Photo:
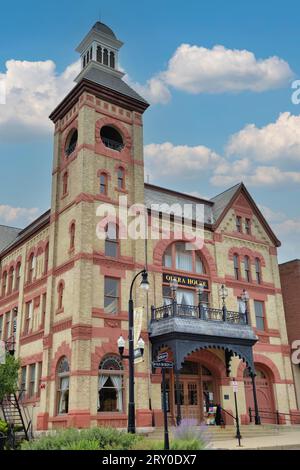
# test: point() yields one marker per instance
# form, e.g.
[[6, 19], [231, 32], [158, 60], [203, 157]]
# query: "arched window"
[[236, 264], [178, 257], [18, 276], [247, 268], [63, 381], [121, 178], [99, 54], [112, 60], [46, 259], [103, 184], [60, 297], [111, 240], [31, 264], [10, 280], [105, 57], [111, 138], [258, 270], [110, 385], [65, 183], [4, 282], [72, 235], [71, 142]]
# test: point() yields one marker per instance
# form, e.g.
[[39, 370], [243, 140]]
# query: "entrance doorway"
[[264, 392], [197, 393]]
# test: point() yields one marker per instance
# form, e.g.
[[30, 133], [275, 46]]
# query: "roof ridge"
[[238, 185]]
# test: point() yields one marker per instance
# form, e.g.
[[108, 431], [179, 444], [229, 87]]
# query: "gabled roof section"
[[224, 201], [7, 235]]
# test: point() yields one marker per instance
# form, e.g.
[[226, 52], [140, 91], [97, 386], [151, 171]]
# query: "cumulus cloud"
[[18, 216], [33, 89], [196, 69], [275, 141], [168, 160], [257, 176]]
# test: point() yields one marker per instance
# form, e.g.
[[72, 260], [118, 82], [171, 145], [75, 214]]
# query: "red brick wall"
[[290, 283]]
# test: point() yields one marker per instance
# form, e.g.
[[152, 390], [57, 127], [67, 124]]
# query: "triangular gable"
[[240, 198]]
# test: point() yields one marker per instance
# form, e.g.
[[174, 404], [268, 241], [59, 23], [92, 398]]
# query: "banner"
[[138, 322], [2, 352]]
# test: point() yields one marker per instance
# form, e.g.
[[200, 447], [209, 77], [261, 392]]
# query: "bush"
[[86, 439], [192, 444], [3, 427], [190, 431]]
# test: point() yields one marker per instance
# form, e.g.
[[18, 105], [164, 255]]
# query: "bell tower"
[[98, 156]]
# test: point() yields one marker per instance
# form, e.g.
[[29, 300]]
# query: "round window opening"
[[71, 142], [111, 138]]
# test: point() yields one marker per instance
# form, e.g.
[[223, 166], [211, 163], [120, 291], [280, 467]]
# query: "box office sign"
[[185, 280]]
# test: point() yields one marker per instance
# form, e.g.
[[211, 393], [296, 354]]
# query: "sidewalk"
[[282, 441]]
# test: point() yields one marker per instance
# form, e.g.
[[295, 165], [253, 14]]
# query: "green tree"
[[9, 373]]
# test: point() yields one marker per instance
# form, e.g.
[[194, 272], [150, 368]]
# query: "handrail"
[[273, 413], [227, 412]]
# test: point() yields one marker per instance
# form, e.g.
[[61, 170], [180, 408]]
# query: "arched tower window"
[[72, 235], [111, 138], [65, 183], [112, 60], [60, 296], [105, 57], [103, 184], [121, 178], [71, 142], [63, 382], [99, 54], [110, 385]]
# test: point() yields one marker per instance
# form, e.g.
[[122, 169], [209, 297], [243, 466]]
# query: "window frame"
[[32, 381], [236, 266], [247, 268], [263, 317], [258, 272], [194, 256], [59, 390], [118, 297], [112, 241], [239, 223], [109, 373]]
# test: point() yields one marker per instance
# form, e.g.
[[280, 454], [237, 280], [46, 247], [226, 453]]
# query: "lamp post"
[[200, 290], [173, 288], [121, 345], [245, 298], [223, 293]]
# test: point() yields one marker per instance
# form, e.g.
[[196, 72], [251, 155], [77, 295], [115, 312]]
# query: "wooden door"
[[264, 397]]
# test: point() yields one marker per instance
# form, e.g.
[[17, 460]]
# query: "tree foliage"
[[9, 376]]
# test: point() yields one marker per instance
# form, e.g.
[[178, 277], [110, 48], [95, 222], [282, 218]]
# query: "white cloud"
[[155, 90], [17, 215], [33, 90], [168, 160], [279, 140]]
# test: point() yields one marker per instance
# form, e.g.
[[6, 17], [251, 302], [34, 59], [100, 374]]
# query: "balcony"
[[185, 328]]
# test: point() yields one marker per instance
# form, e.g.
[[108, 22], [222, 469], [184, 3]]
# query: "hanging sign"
[[138, 322], [162, 356], [185, 280], [163, 364]]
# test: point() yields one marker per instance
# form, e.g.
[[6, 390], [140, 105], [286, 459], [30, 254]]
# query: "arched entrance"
[[264, 392], [198, 389]]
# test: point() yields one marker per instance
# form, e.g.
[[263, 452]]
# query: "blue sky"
[[198, 115]]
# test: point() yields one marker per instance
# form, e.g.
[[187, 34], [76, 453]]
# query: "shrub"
[[92, 439], [3, 427], [190, 431], [192, 444]]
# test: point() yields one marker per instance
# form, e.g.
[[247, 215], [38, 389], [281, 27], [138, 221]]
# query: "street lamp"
[[245, 298], [223, 293], [173, 287], [200, 290], [141, 345]]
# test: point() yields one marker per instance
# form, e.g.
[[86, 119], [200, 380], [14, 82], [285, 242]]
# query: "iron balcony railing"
[[201, 312]]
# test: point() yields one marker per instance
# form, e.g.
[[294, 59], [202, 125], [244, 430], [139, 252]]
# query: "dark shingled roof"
[[102, 28], [222, 200], [7, 235]]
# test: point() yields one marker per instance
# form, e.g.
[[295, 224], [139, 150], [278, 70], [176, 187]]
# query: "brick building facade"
[[64, 291]]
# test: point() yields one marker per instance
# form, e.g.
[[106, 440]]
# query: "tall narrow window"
[[10, 280], [44, 303], [121, 178], [4, 283], [112, 60], [110, 385], [238, 222], [14, 321], [7, 332], [111, 295], [63, 377], [71, 142], [23, 382], [103, 184], [1, 326], [46, 260], [31, 388], [72, 236], [111, 240], [258, 270], [99, 54], [247, 268], [105, 57], [60, 290], [39, 377], [65, 183], [248, 226], [18, 276], [236, 264], [31, 264], [259, 315], [28, 315], [184, 258]]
